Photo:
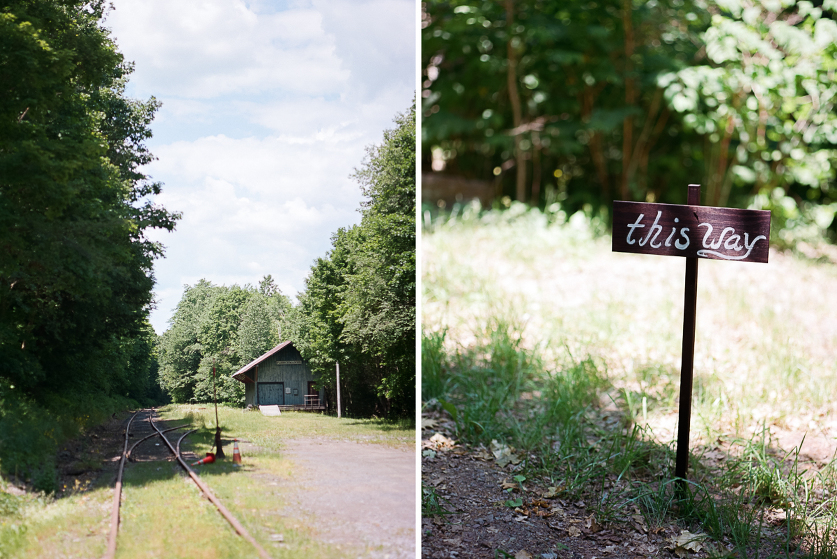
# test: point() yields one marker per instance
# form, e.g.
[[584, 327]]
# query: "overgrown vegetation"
[[566, 356], [75, 210], [358, 306]]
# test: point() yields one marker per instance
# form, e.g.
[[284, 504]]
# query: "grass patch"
[[541, 339], [158, 494], [269, 432]]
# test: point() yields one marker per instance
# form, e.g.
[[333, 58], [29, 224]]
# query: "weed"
[[433, 363], [432, 504]]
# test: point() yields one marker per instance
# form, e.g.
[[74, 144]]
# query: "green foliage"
[[581, 103], [433, 365], [220, 327], [433, 504], [31, 430], [358, 307], [75, 259]]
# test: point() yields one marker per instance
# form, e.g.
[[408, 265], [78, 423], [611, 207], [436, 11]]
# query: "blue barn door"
[[271, 394]]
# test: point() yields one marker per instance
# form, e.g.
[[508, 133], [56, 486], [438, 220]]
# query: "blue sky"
[[267, 109]]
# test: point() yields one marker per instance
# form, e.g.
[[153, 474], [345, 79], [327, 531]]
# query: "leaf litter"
[[493, 515]]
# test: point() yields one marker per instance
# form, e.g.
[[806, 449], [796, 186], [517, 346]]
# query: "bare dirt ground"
[[481, 526], [360, 494]]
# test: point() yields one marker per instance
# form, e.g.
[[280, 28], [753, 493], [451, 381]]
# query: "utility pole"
[[338, 389], [219, 450]]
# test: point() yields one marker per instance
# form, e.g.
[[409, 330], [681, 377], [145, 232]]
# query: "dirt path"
[[360, 494]]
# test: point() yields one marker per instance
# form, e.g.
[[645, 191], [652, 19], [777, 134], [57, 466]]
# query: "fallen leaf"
[[686, 542], [523, 554], [441, 442], [609, 549], [428, 423], [503, 454], [551, 492], [483, 454], [573, 532], [591, 524], [509, 485], [456, 542], [429, 454]]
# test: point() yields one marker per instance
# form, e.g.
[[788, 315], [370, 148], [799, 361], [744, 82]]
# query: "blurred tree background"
[[571, 104]]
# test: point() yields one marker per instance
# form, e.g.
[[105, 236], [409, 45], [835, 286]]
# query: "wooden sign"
[[691, 231]]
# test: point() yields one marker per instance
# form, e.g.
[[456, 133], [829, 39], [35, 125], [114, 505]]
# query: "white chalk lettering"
[[673, 230], [747, 244], [653, 232], [728, 239], [732, 243], [632, 226], [685, 245], [706, 243], [717, 244]]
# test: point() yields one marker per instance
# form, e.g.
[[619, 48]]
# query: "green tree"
[[75, 261], [180, 351], [584, 102], [221, 327], [765, 104], [551, 96], [358, 306], [379, 305]]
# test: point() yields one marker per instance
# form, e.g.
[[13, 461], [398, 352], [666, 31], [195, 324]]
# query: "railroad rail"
[[117, 494]]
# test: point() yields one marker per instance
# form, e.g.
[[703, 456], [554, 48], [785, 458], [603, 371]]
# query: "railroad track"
[[146, 429]]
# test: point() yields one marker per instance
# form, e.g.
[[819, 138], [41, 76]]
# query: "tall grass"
[[31, 432]]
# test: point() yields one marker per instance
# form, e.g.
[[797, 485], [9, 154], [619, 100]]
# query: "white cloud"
[[267, 110], [373, 43], [314, 169], [201, 49]]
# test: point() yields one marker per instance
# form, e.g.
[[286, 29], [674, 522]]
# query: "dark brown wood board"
[[691, 231]]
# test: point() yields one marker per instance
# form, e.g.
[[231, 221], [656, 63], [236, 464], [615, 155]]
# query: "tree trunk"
[[628, 124], [514, 99]]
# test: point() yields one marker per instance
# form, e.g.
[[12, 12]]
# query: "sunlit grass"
[[163, 513], [269, 432], [766, 333], [536, 334]]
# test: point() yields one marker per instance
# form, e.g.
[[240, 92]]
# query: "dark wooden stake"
[[688, 359], [219, 449]]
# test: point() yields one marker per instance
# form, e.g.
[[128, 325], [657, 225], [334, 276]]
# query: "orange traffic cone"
[[210, 458], [236, 453]]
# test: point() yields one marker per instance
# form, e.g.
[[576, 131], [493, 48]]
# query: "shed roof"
[[239, 374]]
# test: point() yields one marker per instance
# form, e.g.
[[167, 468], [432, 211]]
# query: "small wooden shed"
[[281, 378]]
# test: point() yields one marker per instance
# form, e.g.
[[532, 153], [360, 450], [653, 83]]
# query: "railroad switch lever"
[[219, 449]]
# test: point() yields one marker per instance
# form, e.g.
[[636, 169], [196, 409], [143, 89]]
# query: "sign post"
[[338, 389], [692, 231]]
